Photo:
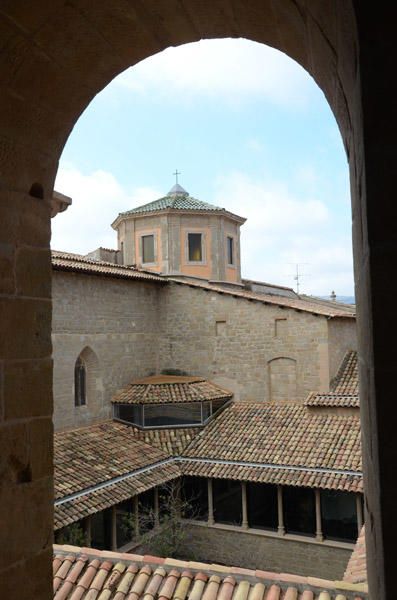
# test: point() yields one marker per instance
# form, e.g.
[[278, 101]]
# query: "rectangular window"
[[230, 251], [148, 249], [262, 506], [129, 412], [339, 516], [227, 501], [195, 247], [167, 415], [299, 510], [194, 491]]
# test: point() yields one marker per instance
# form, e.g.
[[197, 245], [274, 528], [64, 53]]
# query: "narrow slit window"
[[148, 249], [230, 251], [79, 383], [195, 247]]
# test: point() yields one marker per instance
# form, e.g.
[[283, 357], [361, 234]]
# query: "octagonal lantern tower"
[[181, 236]]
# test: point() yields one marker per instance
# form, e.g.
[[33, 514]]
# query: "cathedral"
[[169, 366]]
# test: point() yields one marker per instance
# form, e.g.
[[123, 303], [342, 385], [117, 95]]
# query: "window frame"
[[203, 260], [145, 235], [233, 251]]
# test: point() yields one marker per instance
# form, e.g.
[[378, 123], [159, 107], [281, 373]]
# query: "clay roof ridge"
[[297, 304]]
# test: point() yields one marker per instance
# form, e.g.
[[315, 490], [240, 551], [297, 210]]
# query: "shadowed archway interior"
[[54, 58]]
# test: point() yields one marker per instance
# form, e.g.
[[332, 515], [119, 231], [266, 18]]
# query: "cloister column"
[[319, 532], [244, 523], [280, 512], [359, 511], [211, 520]]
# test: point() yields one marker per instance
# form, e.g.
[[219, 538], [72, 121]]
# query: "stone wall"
[[132, 328], [118, 321], [234, 341], [259, 551]]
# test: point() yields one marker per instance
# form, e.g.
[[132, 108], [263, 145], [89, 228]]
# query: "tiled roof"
[[346, 380], [180, 201], [95, 500], [330, 480], [64, 261], [170, 389], [333, 400], [298, 304], [344, 387], [287, 437], [356, 571], [91, 455], [171, 441], [84, 573], [174, 202]]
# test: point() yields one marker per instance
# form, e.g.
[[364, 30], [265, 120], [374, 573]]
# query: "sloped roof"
[[170, 441], [166, 389], [344, 387], [285, 435], [91, 455], [332, 310], [356, 571], [85, 572], [66, 261]]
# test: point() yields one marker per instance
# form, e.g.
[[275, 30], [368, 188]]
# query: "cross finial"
[[176, 175]]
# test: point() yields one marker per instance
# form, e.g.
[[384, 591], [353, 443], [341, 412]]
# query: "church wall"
[[224, 545], [233, 341], [118, 321], [342, 334]]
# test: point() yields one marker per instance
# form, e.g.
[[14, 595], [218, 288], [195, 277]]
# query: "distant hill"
[[345, 299]]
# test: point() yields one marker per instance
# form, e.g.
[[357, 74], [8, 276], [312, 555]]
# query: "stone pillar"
[[26, 430], [114, 527], [281, 528], [244, 504], [136, 516], [210, 503], [87, 530], [156, 507], [319, 529], [359, 510]]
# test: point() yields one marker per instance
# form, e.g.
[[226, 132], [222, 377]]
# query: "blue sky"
[[249, 130]]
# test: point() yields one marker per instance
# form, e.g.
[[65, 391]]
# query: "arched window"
[[80, 398]]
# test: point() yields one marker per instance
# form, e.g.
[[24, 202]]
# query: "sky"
[[248, 129]]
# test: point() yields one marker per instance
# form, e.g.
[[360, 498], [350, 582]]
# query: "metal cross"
[[176, 175]]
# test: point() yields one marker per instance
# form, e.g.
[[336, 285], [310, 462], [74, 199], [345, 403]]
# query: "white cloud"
[[97, 199], [283, 230], [233, 69]]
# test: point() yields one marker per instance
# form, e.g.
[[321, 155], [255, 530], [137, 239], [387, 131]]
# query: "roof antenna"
[[298, 275]]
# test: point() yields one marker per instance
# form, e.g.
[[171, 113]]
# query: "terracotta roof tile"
[[346, 380], [171, 441], [299, 304], [356, 571], [99, 575], [344, 387], [65, 261], [286, 435], [171, 389]]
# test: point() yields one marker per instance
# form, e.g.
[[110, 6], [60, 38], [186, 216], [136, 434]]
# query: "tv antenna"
[[298, 275]]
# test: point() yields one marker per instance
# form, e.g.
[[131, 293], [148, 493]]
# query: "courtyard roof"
[[85, 572], [166, 389], [66, 261], [283, 435], [344, 387]]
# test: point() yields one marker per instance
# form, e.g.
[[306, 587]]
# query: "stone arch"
[[282, 377], [55, 59]]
